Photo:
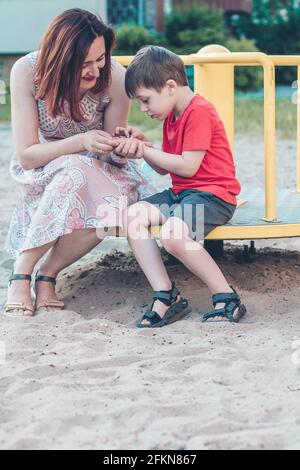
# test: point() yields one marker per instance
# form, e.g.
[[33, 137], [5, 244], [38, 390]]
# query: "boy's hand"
[[130, 132], [130, 148]]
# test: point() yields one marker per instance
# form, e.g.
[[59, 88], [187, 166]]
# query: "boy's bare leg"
[[194, 257], [137, 221]]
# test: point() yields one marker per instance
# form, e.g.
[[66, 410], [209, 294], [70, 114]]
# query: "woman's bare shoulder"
[[22, 75], [117, 71], [22, 66], [117, 85]]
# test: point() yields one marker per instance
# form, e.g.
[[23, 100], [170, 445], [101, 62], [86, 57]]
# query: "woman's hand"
[[130, 148], [98, 142]]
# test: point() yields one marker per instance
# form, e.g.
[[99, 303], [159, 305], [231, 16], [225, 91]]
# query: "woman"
[[67, 100]]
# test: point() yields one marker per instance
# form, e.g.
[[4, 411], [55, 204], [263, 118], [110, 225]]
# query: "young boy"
[[197, 155]]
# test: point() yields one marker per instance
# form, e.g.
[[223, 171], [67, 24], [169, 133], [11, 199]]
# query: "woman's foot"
[[19, 293], [45, 294]]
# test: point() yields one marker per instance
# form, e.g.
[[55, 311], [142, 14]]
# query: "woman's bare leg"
[[67, 250], [19, 291]]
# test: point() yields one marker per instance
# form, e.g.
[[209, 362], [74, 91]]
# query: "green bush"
[[5, 113], [246, 78], [131, 38], [188, 31], [274, 26]]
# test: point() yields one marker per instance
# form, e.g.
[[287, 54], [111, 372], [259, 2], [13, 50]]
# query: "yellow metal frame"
[[214, 77]]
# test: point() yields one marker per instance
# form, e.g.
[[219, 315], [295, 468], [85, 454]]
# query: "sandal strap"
[[164, 297], [226, 314], [18, 306], [40, 278], [152, 317], [175, 291], [19, 277], [174, 313], [232, 302], [167, 297], [50, 303], [225, 298], [221, 312]]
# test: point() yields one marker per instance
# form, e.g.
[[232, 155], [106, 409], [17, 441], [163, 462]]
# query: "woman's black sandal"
[[49, 302], [11, 307], [232, 302], [175, 312]]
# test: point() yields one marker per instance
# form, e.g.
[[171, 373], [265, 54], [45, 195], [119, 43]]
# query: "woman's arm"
[[116, 114], [25, 124]]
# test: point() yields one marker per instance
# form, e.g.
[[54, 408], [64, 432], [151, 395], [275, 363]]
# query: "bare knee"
[[171, 237], [135, 216], [175, 236]]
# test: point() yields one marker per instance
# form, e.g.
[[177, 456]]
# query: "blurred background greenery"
[[272, 27]]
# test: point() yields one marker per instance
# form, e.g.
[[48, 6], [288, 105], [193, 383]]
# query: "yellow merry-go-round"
[[262, 213]]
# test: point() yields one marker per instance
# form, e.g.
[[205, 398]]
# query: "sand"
[[86, 378]]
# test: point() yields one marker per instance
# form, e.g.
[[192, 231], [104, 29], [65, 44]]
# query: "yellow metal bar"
[[220, 92], [234, 58], [270, 142], [253, 232], [285, 60], [124, 59], [258, 232]]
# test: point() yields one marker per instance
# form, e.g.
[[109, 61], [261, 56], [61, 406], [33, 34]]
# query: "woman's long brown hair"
[[61, 57]]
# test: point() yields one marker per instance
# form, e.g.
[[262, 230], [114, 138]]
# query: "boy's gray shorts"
[[201, 211]]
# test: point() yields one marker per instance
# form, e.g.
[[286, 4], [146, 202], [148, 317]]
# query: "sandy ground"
[[86, 378]]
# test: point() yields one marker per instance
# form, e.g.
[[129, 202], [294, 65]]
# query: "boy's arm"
[[156, 168], [132, 132], [185, 165]]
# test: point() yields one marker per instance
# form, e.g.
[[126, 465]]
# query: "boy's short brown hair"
[[152, 67]]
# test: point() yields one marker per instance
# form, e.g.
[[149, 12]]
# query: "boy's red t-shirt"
[[199, 127]]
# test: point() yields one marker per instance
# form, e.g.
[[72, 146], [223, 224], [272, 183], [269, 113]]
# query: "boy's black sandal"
[[229, 313], [175, 312]]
